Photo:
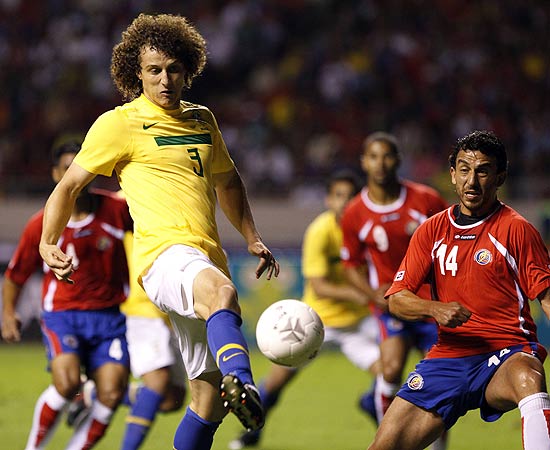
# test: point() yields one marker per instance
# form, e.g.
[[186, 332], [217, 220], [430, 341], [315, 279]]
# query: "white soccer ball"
[[289, 333]]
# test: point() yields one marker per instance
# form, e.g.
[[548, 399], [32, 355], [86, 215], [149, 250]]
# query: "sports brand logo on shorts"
[[415, 381], [399, 275], [483, 257]]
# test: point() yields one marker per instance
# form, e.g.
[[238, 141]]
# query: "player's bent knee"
[[227, 298]]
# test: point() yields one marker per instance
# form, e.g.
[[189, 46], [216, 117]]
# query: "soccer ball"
[[289, 333]]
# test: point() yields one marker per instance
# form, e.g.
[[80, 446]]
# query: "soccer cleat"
[[80, 406], [246, 439], [77, 411], [243, 400]]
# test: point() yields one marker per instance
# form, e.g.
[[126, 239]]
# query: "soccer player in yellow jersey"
[[154, 359], [172, 165], [341, 306]]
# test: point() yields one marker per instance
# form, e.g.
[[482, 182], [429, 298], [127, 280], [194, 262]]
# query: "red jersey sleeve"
[[534, 261], [26, 259]]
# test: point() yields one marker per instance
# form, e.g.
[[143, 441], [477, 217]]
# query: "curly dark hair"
[[484, 141], [170, 34]]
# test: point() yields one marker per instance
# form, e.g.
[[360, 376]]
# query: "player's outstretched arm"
[[11, 324], [57, 213], [408, 306], [233, 201]]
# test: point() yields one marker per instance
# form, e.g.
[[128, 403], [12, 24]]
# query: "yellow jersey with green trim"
[[164, 161], [321, 259]]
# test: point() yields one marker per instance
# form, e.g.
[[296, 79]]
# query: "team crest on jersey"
[[483, 257], [415, 381], [103, 243], [70, 341]]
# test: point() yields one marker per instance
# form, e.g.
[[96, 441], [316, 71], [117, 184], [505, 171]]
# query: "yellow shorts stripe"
[[138, 420]]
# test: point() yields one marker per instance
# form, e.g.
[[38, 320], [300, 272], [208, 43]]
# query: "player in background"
[[173, 166], [81, 323], [155, 363], [342, 308], [377, 227], [154, 360], [485, 263]]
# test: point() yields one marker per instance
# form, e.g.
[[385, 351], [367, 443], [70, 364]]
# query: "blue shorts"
[[422, 334], [97, 336], [451, 387]]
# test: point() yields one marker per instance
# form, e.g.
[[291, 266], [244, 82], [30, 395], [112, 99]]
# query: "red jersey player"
[[378, 225], [485, 263], [81, 322]]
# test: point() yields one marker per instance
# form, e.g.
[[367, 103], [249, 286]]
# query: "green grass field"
[[317, 412]]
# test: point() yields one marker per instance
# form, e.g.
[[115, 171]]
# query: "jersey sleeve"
[[534, 260], [105, 144], [416, 265], [314, 260], [352, 248], [26, 258], [221, 161]]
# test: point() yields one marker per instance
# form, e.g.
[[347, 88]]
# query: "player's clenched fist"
[[60, 264], [451, 315]]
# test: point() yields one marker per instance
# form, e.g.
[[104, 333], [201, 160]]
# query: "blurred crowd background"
[[296, 84]]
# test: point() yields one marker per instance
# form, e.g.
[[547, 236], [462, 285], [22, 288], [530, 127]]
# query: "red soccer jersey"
[[379, 234], [491, 267], [95, 243]]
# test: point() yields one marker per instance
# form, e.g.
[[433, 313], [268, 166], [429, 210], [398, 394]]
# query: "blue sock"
[[126, 399], [141, 418], [227, 344], [269, 399], [194, 432]]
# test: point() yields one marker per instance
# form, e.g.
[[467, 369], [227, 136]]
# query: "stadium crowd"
[[296, 84]]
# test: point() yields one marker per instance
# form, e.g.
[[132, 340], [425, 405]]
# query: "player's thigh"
[[205, 398], [407, 427], [171, 283], [65, 369], [519, 376]]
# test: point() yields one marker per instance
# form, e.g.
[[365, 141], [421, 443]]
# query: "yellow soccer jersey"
[[137, 303], [164, 160], [321, 258]]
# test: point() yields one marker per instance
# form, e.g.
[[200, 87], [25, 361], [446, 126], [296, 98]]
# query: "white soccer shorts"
[[169, 285], [358, 343], [153, 345]]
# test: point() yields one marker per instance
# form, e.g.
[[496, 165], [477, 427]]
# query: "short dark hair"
[[170, 34], [61, 149], [344, 175], [387, 138], [484, 141]]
